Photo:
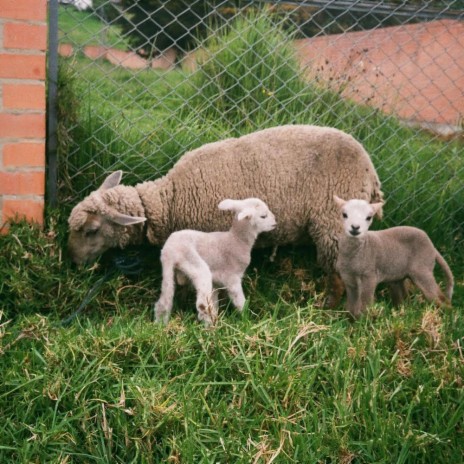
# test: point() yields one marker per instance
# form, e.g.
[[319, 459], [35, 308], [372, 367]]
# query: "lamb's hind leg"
[[163, 306], [200, 275], [235, 291], [427, 284], [398, 291]]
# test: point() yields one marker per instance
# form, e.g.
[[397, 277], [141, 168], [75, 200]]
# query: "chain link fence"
[[142, 82]]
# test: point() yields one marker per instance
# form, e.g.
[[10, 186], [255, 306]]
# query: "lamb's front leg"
[[353, 300], [367, 291], [359, 294]]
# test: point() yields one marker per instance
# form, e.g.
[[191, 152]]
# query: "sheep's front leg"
[[359, 294], [200, 275], [235, 291], [353, 300], [367, 291]]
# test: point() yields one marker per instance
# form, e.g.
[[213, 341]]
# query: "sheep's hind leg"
[[335, 290], [163, 306], [428, 286], [326, 256], [235, 291], [398, 291], [200, 275]]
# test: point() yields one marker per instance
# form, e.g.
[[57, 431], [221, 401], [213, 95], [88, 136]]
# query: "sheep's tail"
[[449, 275]]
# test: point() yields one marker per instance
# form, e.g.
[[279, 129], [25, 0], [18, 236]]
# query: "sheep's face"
[[92, 236], [260, 216], [95, 226], [253, 210], [357, 215]]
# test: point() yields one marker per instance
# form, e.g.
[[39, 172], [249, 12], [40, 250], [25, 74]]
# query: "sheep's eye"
[[90, 232], [264, 216], [368, 218], [345, 215]]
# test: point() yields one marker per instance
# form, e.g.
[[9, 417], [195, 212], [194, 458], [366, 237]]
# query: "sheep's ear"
[[228, 205], [377, 207], [245, 214], [339, 201], [126, 220], [111, 181]]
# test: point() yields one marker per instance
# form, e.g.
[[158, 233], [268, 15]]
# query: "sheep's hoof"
[[161, 317]]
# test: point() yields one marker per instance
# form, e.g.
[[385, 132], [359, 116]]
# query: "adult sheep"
[[295, 169]]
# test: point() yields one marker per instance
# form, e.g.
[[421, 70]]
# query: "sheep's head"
[[357, 215], [95, 226], [253, 210]]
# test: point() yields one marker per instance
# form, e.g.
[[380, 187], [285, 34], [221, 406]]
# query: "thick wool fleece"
[[295, 169]]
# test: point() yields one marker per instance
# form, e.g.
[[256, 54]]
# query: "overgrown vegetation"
[[285, 382]]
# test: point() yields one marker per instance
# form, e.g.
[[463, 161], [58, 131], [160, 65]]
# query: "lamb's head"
[[252, 210], [95, 226], [357, 215]]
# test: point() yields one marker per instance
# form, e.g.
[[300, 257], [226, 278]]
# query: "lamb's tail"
[[449, 276]]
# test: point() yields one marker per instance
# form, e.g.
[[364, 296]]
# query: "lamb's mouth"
[[354, 233]]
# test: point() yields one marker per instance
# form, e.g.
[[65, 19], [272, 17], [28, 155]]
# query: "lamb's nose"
[[356, 228]]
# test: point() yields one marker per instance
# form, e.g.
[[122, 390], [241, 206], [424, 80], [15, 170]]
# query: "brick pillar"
[[23, 43]]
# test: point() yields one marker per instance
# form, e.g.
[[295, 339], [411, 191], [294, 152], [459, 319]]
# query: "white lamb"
[[213, 259], [366, 258]]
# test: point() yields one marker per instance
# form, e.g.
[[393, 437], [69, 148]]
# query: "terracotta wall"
[[23, 44]]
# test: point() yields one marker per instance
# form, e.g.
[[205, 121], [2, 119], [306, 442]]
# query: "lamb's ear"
[[377, 207], [339, 201], [111, 181], [126, 220], [228, 205], [245, 214]]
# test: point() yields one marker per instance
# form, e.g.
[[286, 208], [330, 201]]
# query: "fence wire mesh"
[[143, 81]]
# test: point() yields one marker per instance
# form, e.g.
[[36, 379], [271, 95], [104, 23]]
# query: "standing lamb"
[[214, 258], [367, 258], [294, 169]]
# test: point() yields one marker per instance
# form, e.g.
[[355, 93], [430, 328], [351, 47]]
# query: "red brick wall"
[[23, 44]]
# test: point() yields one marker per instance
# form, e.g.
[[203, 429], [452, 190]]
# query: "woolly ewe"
[[215, 258], [367, 258]]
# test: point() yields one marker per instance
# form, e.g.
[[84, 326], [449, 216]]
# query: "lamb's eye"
[[368, 218], [345, 215], [264, 216]]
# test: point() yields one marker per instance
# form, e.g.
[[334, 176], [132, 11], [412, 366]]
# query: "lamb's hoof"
[[161, 317]]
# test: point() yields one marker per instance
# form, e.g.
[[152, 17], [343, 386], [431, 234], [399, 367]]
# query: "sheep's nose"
[[356, 227], [355, 230]]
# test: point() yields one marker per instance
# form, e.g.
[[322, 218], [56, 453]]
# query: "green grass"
[[287, 381], [81, 28]]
